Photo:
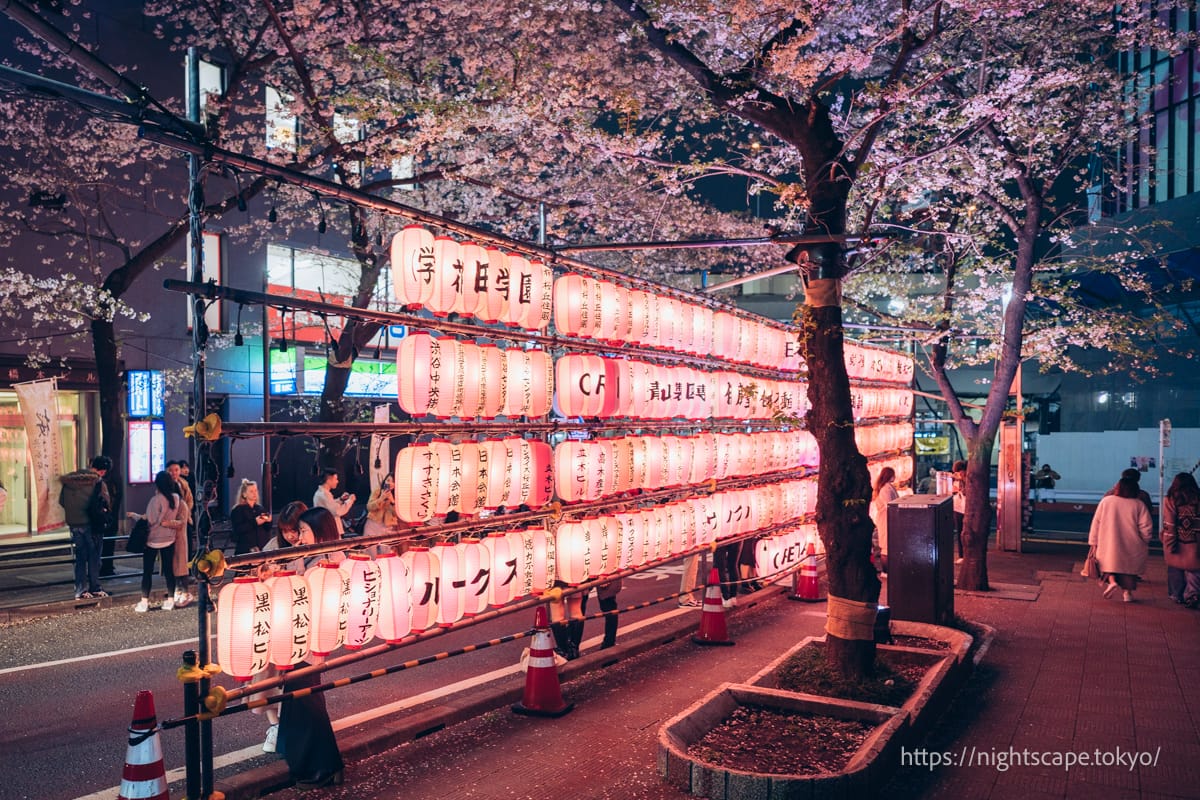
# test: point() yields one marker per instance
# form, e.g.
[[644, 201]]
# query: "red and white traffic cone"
[[543, 696], [144, 777], [712, 614], [807, 584]]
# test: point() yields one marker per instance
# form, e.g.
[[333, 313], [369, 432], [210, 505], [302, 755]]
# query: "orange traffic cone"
[[144, 777], [807, 585], [712, 614], [543, 696]]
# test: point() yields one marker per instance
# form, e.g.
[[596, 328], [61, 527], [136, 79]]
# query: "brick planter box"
[[959, 641], [864, 774], [928, 699]]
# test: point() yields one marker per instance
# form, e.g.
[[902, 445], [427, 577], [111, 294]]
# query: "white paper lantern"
[[243, 627]]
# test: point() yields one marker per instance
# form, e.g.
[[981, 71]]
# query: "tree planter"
[[927, 699], [958, 641], [864, 773]]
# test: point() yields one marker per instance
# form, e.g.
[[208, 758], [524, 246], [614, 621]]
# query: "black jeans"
[[168, 568]]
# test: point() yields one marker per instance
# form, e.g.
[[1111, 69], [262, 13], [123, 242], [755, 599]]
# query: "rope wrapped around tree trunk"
[[851, 620]]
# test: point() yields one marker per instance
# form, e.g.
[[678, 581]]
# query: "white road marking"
[[94, 656], [246, 753]]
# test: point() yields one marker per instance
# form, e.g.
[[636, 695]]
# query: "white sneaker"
[[272, 738], [143, 606], [168, 604], [729, 602], [1109, 588], [182, 599], [1127, 597]]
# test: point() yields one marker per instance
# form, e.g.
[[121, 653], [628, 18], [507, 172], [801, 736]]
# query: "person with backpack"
[[76, 498]]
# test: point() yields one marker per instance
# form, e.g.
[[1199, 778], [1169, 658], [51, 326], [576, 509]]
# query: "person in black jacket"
[[251, 522]]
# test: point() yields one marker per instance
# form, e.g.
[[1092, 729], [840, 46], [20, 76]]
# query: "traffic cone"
[[543, 696], [712, 614], [807, 584], [144, 777]]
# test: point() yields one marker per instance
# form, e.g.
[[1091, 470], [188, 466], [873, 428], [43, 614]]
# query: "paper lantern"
[[449, 386], [329, 590], [491, 302], [395, 601], [532, 296], [541, 376], [621, 471], [416, 483], [668, 323], [475, 567], [529, 383], [424, 572], [412, 266], [416, 357], [573, 553], [614, 312], [536, 560], [514, 448], [452, 584], [472, 481], [639, 313], [447, 479], [539, 477], [471, 377], [686, 327], [604, 533], [725, 335], [502, 556], [493, 380], [570, 303], [571, 467], [494, 456], [244, 627], [290, 612], [516, 265], [702, 331], [447, 276], [581, 383], [472, 281], [628, 543], [365, 585]]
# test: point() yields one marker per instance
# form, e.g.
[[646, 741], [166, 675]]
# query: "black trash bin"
[[920, 577]]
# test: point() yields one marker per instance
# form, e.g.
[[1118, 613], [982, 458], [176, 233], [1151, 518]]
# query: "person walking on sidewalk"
[[78, 488], [166, 514], [1181, 551], [1120, 532]]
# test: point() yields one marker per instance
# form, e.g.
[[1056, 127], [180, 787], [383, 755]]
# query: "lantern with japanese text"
[[450, 386], [364, 597], [330, 590], [244, 627], [539, 477], [640, 311], [472, 484], [447, 476], [571, 467], [516, 266], [493, 380], [491, 302], [424, 572], [447, 276], [470, 375], [290, 614], [628, 542], [412, 266], [475, 567], [493, 456], [417, 358], [395, 601], [472, 280], [573, 553], [416, 483], [451, 584], [537, 560], [533, 289], [581, 384], [502, 561]]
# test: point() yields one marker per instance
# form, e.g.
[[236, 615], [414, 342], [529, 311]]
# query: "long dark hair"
[[322, 523], [166, 487], [886, 476], [1127, 487], [1184, 491]]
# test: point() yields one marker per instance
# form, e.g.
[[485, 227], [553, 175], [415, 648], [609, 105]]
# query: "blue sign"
[[145, 393]]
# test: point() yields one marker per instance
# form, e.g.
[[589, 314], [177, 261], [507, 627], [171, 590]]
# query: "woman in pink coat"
[[1120, 532]]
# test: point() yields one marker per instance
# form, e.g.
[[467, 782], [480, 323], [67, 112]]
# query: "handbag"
[[1091, 567], [138, 536]]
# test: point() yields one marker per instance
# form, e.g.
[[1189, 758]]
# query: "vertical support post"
[[199, 408], [268, 467], [191, 729]]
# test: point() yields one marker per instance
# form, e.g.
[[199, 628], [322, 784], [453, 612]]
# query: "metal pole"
[[199, 404], [268, 468], [191, 730]]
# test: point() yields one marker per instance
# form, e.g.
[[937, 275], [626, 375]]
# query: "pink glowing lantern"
[[330, 590], [424, 572], [290, 619], [362, 613], [395, 598], [244, 627], [412, 266]]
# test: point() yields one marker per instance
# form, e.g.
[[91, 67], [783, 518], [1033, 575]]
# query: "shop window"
[[146, 432]]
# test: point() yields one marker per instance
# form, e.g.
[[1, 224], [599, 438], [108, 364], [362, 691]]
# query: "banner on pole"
[[39, 409], [380, 452]]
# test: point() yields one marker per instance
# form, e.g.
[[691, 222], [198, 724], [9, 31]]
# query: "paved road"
[[67, 685]]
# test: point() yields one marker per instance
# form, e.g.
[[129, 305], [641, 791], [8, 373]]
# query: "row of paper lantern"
[[435, 478], [280, 622], [445, 377], [445, 276], [783, 551], [903, 466], [875, 439]]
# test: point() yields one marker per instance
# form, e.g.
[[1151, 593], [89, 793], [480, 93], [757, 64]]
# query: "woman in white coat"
[[1120, 533], [883, 493]]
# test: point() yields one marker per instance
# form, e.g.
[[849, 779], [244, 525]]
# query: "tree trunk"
[[844, 485], [972, 573], [108, 377]]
